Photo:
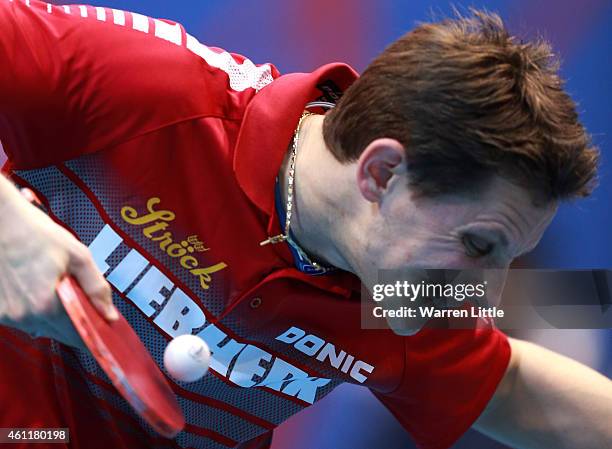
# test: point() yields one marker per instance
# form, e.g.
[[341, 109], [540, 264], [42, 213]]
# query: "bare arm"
[[546, 400]]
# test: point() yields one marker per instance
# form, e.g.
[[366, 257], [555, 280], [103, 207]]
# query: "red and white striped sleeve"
[[77, 79]]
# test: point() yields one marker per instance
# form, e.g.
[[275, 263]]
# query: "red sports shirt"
[[161, 153]]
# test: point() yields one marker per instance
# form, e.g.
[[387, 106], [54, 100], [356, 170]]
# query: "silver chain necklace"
[[289, 205], [305, 259]]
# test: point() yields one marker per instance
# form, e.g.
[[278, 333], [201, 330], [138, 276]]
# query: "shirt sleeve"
[[449, 378], [77, 79]]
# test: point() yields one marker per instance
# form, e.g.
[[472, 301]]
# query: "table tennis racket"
[[121, 355], [124, 359]]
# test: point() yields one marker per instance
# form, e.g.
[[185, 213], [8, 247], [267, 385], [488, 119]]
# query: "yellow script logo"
[[157, 221]]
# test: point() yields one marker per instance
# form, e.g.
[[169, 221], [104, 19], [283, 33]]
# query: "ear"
[[381, 160]]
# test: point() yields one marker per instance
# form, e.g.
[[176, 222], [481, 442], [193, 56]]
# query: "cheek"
[[439, 253], [417, 236], [419, 251]]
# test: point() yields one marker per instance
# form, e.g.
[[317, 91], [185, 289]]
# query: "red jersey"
[[161, 154]]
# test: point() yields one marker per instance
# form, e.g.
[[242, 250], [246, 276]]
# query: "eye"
[[476, 246]]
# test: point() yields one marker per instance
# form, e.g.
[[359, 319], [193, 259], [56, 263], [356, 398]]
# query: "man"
[[214, 206]]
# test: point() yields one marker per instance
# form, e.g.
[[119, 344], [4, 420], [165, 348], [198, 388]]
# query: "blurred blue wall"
[[299, 35]]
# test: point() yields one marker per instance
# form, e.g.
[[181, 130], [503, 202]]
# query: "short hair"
[[467, 101]]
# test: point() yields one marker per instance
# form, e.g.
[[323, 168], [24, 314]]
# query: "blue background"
[[300, 35]]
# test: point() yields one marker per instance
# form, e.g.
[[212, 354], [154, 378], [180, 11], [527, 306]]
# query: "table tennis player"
[[216, 197]]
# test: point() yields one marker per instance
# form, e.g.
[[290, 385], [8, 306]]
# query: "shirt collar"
[[267, 128], [268, 125]]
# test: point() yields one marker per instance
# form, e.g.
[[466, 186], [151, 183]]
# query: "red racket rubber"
[[124, 359]]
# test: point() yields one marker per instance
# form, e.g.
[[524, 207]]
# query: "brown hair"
[[467, 100]]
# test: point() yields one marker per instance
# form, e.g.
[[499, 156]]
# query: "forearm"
[[550, 401]]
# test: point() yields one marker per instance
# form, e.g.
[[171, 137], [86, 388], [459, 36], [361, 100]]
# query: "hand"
[[34, 253]]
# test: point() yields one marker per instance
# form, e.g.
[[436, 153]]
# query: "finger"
[[83, 268]]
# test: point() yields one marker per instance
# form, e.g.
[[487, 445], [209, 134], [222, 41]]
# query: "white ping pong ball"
[[186, 358]]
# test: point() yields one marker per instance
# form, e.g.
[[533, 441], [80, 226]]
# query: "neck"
[[317, 207]]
